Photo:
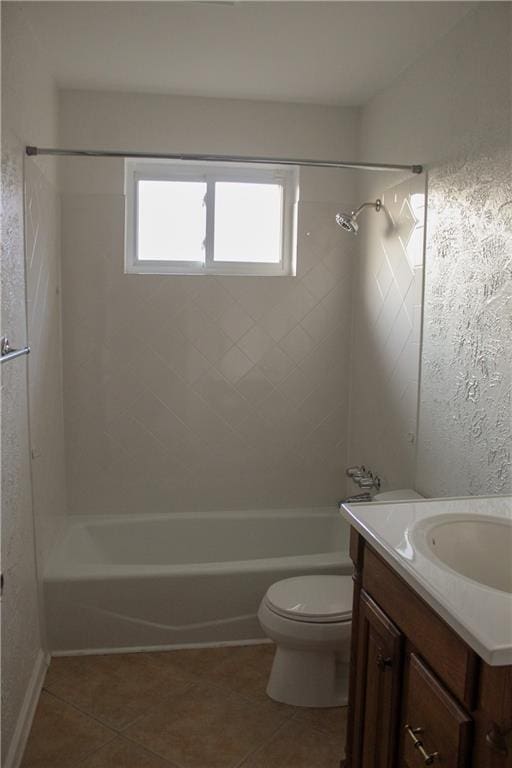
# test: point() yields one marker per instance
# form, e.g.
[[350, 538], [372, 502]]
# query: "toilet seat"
[[312, 599]]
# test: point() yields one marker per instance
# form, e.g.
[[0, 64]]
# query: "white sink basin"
[[477, 547]]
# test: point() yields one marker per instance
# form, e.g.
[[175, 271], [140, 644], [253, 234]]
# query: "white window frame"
[[176, 170]]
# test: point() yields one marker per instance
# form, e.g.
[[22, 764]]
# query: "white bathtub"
[[160, 581]]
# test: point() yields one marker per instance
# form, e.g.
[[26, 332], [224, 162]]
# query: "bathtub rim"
[[121, 517], [100, 571], [59, 567]]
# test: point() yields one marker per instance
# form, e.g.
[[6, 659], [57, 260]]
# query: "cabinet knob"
[[428, 759], [384, 661], [498, 740]]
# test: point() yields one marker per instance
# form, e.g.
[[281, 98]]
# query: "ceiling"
[[339, 53]]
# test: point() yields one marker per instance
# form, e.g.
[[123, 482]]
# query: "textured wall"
[[21, 639], [385, 348], [467, 350], [451, 110], [203, 392], [28, 116]]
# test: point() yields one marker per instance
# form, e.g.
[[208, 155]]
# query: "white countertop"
[[481, 615]]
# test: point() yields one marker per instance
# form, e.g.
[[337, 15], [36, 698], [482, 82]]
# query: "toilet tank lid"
[[312, 598], [402, 494]]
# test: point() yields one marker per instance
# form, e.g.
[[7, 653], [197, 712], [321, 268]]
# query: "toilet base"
[[308, 678]]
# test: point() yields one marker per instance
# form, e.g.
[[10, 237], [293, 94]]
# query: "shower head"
[[348, 221]]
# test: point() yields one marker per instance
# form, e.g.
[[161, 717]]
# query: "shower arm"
[[377, 205]]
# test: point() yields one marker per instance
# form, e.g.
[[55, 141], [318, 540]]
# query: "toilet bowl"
[[309, 618]]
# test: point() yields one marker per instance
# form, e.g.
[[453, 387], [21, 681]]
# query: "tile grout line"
[[77, 709], [151, 752], [122, 731], [99, 722], [131, 742], [95, 751], [116, 729], [260, 747]]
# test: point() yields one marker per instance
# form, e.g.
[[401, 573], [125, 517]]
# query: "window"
[[196, 218]]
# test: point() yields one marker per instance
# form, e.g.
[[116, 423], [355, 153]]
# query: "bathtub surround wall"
[[28, 111], [202, 393], [452, 111], [43, 234], [385, 346]]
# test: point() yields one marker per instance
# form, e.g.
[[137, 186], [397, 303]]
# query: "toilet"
[[309, 619]]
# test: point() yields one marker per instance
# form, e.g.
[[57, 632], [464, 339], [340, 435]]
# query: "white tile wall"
[[203, 392], [386, 334], [42, 211]]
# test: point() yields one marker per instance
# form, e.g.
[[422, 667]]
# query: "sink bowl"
[[477, 547]]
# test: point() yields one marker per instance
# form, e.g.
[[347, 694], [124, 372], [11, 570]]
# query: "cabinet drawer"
[[442, 649], [436, 730]]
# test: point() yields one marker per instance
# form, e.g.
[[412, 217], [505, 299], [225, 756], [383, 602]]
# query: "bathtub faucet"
[[363, 477]]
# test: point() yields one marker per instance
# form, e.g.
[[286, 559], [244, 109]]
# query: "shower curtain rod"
[[31, 151]]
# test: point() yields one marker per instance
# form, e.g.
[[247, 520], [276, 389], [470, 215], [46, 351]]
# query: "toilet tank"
[[403, 494]]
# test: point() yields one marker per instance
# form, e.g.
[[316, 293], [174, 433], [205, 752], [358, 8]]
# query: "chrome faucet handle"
[[369, 481], [355, 472], [366, 482]]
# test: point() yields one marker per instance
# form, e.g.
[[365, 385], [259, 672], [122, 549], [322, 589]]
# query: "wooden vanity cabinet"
[[418, 694], [379, 658]]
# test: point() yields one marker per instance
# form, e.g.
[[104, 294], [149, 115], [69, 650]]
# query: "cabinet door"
[[376, 709], [436, 730], [493, 719]]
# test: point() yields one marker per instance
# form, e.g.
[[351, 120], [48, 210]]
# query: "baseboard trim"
[[150, 648], [27, 712]]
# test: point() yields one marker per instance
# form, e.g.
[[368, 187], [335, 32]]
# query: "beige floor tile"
[[115, 689], [206, 727], [328, 720], [198, 708], [295, 746], [121, 753], [196, 662], [245, 670], [61, 736]]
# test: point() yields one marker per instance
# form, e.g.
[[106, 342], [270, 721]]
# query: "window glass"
[[191, 218], [171, 224], [247, 222]]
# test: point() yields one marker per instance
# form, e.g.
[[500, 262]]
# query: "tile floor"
[[201, 708]]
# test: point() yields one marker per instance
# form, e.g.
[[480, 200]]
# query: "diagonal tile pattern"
[[198, 708], [180, 392], [114, 689], [291, 747], [121, 753], [62, 735], [386, 335], [206, 726]]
